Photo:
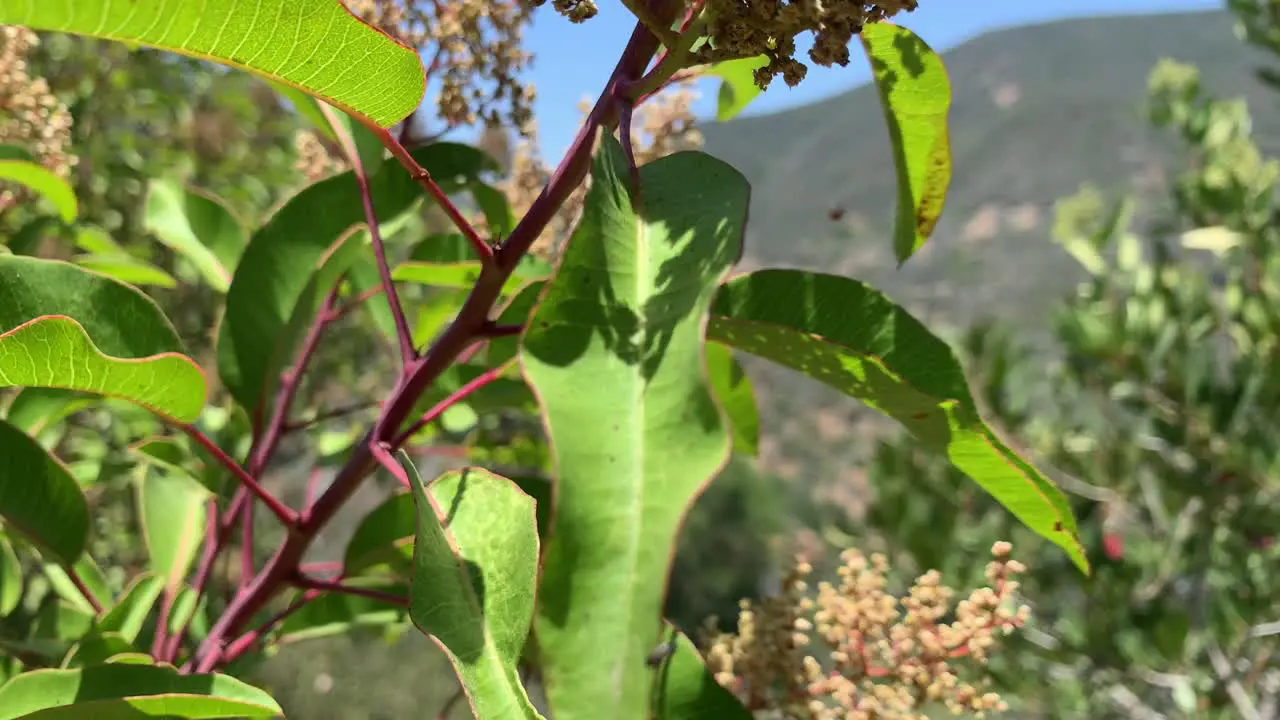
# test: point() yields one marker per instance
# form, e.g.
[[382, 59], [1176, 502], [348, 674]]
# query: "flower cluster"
[[315, 162], [662, 125], [770, 27], [476, 50], [885, 656], [30, 116]]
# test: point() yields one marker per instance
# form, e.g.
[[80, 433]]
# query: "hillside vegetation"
[[1037, 111]]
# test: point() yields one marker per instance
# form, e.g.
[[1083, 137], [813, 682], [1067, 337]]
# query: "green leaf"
[[127, 269], [306, 106], [95, 240], [14, 152], [686, 690], [39, 180], [190, 610], [314, 45], [475, 575], [851, 337], [293, 260], [461, 276], [130, 691], [39, 498], [10, 578], [516, 312], [732, 387], [63, 326], [737, 86], [337, 613], [363, 277], [497, 212], [916, 97], [614, 352], [29, 238], [172, 508], [383, 537], [129, 615], [36, 409], [95, 581], [95, 648], [197, 227]]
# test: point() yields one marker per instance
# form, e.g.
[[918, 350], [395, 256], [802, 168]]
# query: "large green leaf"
[[39, 498], [39, 180], [916, 96], [197, 227], [737, 397], [737, 85], [293, 260], [172, 507], [614, 352], [475, 575], [851, 337], [686, 690], [67, 327], [314, 45], [116, 692]]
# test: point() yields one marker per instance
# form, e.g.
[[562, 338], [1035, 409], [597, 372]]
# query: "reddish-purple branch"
[[405, 336], [336, 586], [331, 414], [284, 514], [454, 398], [246, 543], [466, 329], [83, 587], [483, 249], [290, 379]]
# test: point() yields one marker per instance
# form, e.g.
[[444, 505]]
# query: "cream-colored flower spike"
[[854, 650]]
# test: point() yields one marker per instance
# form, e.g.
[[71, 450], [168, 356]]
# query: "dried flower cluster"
[[665, 123], [575, 10], [476, 51], [886, 657], [30, 116], [315, 162], [662, 125], [770, 27]]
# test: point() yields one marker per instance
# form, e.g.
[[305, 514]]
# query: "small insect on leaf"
[[659, 654]]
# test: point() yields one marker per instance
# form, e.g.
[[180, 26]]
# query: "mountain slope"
[[1037, 110]]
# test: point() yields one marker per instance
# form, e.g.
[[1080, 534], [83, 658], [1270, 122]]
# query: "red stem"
[[246, 544], [331, 414], [284, 514], [290, 379], [309, 493], [335, 586], [238, 646], [460, 335], [356, 302], [83, 588], [407, 352], [454, 398], [483, 249]]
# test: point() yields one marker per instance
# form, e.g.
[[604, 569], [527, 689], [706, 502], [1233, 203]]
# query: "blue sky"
[[573, 61]]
